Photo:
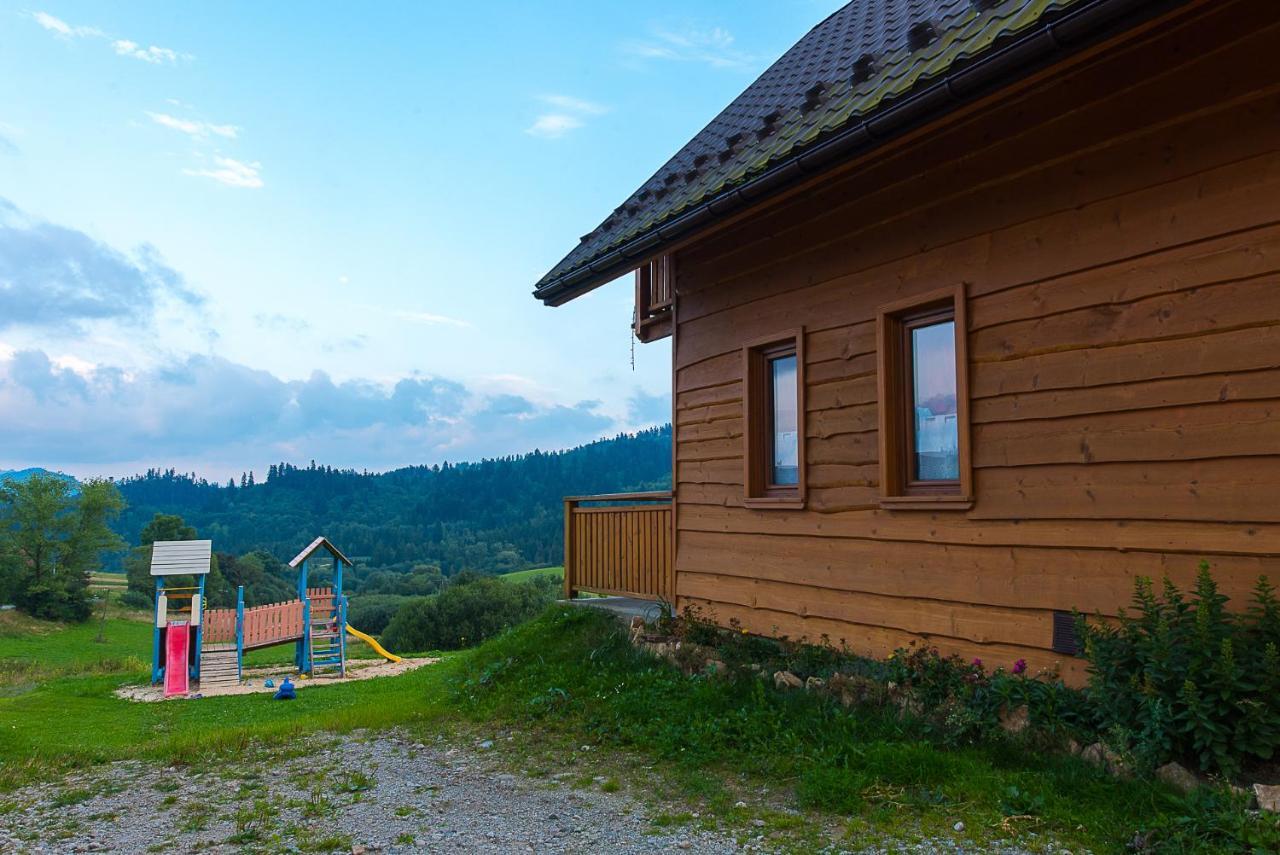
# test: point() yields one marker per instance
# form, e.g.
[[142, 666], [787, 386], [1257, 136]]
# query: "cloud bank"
[[230, 417], [57, 277]]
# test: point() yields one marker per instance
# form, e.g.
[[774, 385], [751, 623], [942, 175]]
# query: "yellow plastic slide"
[[372, 642]]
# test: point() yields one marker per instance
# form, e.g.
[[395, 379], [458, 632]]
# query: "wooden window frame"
[[757, 401], [655, 296], [894, 322]]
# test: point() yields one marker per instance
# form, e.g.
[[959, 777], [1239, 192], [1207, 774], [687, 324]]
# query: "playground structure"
[[208, 645]]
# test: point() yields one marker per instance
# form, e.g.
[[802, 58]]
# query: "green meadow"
[[536, 572], [572, 677]]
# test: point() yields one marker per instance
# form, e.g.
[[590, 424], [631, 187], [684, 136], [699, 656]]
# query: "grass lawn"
[[526, 575], [33, 651], [57, 709], [572, 677]]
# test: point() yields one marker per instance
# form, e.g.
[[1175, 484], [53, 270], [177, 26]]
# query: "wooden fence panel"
[[219, 626], [623, 550]]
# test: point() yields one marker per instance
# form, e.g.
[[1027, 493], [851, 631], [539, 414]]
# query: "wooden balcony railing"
[[620, 544]]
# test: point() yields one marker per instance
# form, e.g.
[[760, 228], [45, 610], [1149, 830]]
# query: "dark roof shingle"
[[862, 58]]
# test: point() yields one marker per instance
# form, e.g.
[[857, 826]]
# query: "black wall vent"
[[1064, 634]]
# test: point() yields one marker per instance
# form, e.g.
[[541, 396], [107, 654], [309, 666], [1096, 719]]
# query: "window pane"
[[785, 468], [937, 433]]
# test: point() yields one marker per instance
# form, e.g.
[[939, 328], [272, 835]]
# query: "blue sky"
[[232, 234]]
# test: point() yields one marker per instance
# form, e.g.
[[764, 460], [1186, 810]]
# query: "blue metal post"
[[240, 632], [156, 671], [199, 639], [304, 646], [340, 612]]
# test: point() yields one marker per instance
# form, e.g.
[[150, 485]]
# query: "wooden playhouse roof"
[[319, 542], [181, 557]]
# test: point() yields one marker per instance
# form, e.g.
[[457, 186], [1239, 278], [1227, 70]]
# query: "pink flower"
[[977, 663], [1020, 667]]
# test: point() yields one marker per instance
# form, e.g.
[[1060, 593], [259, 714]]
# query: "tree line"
[[492, 516], [408, 530]]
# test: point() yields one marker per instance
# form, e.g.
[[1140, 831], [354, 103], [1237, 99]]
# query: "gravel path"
[[383, 793], [357, 794]]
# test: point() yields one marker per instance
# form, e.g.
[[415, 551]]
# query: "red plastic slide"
[[177, 641]]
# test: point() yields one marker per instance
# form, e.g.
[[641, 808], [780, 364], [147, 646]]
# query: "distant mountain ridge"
[[494, 515], [24, 474]]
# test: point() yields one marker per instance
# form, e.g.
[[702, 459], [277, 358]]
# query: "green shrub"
[[135, 600], [54, 602], [957, 701], [372, 613], [466, 613], [1185, 679]]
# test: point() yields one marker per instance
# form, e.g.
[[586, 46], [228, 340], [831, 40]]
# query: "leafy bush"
[[54, 602], [466, 613], [372, 613], [135, 600], [874, 764], [1188, 680], [958, 702], [422, 580]]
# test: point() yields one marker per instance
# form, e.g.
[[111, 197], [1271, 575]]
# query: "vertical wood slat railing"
[[620, 544], [269, 624], [220, 626]]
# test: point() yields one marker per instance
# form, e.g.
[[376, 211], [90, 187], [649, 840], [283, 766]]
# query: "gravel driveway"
[[364, 793], [352, 794]]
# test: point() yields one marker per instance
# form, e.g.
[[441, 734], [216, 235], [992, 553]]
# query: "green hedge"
[[466, 613]]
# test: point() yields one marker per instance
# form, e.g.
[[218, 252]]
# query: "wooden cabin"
[[974, 311]]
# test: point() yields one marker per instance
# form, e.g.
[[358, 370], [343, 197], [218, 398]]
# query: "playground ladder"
[[328, 651]]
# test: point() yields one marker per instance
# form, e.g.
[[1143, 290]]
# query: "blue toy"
[[269, 683], [286, 691]]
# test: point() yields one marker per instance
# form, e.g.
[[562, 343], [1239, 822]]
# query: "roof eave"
[[1041, 45]]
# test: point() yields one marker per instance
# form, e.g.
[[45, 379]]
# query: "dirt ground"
[[255, 679]]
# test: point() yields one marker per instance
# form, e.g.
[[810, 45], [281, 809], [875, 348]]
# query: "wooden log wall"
[[1117, 226]]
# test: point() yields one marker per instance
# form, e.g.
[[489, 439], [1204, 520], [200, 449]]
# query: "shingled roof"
[[867, 71]]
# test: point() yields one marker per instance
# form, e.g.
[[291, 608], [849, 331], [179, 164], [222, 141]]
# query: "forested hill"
[[492, 516]]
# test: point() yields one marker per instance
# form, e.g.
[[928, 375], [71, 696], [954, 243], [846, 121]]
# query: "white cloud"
[[432, 319], [123, 47], [571, 104], [194, 127], [154, 55], [553, 125], [714, 47], [66, 411], [76, 365], [568, 114], [61, 28], [54, 277], [231, 172]]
